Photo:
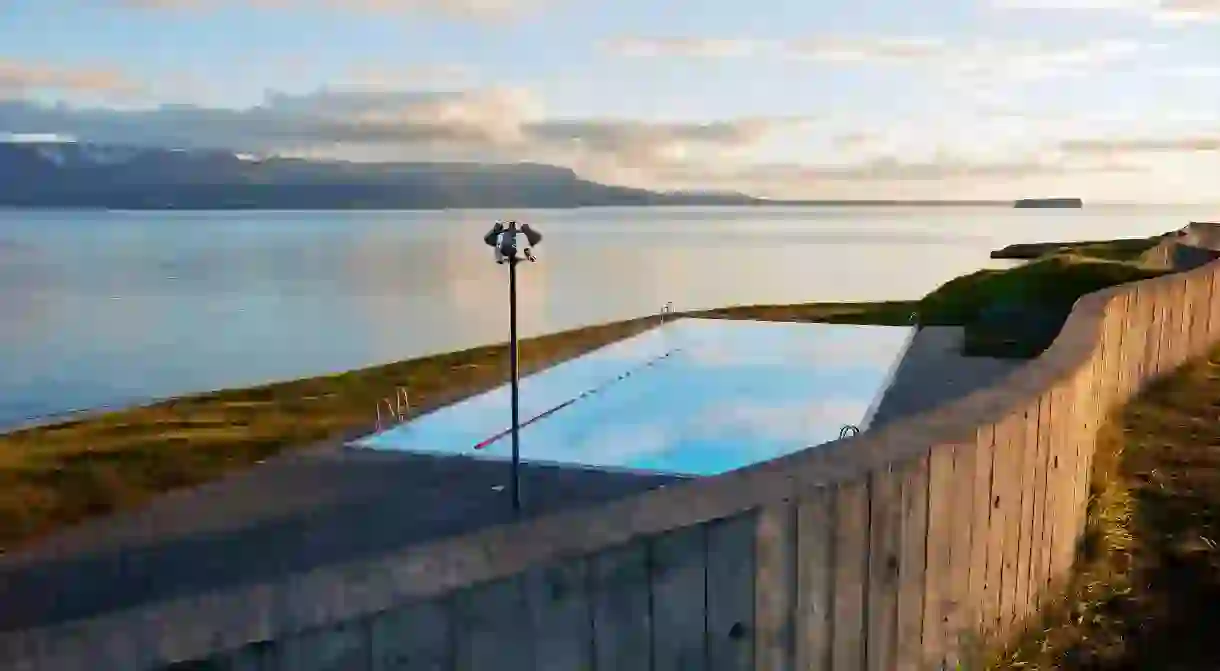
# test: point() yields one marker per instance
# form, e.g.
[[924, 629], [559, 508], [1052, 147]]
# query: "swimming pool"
[[695, 397]]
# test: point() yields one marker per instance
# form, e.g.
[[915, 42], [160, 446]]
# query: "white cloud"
[[1161, 11], [472, 9], [1139, 145], [499, 124], [972, 60], [1193, 71], [949, 158], [19, 78]]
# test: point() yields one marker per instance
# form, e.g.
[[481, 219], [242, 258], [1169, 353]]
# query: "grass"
[[60, 474], [1122, 249], [1149, 571]]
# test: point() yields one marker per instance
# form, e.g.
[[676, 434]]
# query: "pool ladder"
[[398, 407], [667, 310], [849, 430]]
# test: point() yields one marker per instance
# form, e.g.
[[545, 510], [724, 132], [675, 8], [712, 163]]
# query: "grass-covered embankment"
[[59, 474], [1148, 579], [1123, 249]]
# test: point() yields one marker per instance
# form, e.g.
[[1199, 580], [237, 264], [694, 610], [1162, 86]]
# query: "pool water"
[[694, 397]]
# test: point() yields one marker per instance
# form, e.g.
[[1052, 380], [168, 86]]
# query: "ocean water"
[[103, 309]]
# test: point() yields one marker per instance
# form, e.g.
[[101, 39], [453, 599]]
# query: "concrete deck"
[[293, 515], [934, 372]]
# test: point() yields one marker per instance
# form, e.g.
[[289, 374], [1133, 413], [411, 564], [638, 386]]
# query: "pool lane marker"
[[584, 394]]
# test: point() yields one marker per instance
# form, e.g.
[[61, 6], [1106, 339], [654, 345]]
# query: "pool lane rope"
[[584, 394]]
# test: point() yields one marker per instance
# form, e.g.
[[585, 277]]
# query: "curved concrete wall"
[[892, 550]]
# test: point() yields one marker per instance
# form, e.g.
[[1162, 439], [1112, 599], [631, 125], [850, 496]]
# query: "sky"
[[1114, 100]]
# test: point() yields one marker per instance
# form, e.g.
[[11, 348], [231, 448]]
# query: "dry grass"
[[63, 473], [1149, 578]]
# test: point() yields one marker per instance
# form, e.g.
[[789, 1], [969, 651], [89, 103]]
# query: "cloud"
[[1197, 143], [979, 59], [469, 9], [18, 79], [1162, 11], [497, 124], [1193, 71], [510, 125]]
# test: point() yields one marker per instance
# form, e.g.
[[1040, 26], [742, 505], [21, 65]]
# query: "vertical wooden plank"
[[415, 637], [1199, 314], [1145, 345], [1063, 469], [679, 600], [1184, 320], [1086, 423], [1174, 296], [1186, 330], [622, 617], [730, 593], [1049, 431], [1024, 608], [562, 615], [1038, 533], [1108, 391], [1156, 307], [912, 571], [996, 529], [342, 647], [775, 587], [850, 575], [984, 455], [815, 516], [493, 629], [1168, 317], [884, 556], [1125, 347], [938, 576], [959, 608], [1214, 309], [1006, 507]]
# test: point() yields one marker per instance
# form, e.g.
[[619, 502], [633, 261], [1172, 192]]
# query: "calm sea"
[[110, 308]]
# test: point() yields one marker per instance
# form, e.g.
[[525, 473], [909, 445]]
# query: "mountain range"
[[83, 175]]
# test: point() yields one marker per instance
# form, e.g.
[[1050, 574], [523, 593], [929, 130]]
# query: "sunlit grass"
[[1148, 573]]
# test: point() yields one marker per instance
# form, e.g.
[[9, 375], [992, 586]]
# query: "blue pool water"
[[695, 397]]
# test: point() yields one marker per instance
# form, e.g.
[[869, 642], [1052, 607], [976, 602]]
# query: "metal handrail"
[[397, 407]]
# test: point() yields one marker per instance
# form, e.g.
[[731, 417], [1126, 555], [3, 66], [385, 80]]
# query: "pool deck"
[[289, 515], [330, 505]]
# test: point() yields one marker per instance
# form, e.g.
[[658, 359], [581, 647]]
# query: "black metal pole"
[[512, 357]]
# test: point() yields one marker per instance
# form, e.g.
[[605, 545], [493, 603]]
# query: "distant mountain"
[[1050, 202], [96, 176]]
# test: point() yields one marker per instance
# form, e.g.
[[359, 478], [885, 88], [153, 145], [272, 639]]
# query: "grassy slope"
[[59, 474], [1148, 581], [1119, 250]]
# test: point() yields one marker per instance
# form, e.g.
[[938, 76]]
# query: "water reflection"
[[698, 397], [106, 307]]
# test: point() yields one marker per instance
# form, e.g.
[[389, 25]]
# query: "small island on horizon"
[[1050, 202]]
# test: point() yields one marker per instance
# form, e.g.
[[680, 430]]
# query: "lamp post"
[[503, 239]]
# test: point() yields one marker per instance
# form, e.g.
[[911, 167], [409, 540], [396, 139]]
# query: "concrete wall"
[[896, 549]]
